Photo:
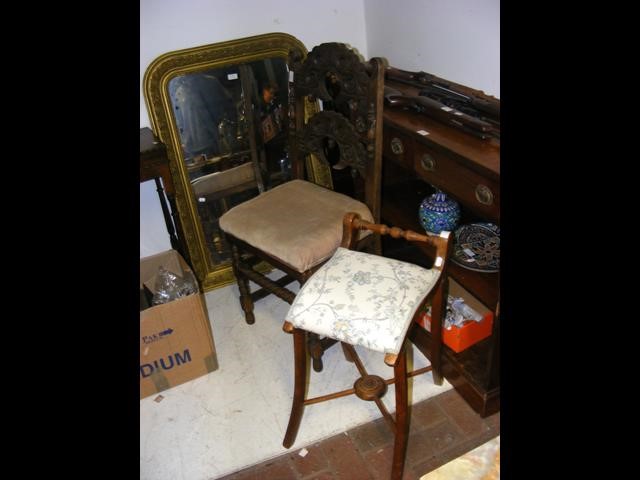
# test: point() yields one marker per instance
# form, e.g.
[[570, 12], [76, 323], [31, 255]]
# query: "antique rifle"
[[440, 89], [440, 112]]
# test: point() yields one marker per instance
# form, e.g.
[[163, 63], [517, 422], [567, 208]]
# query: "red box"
[[460, 338]]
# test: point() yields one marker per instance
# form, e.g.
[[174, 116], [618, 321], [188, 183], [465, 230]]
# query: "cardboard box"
[[461, 338], [176, 342]]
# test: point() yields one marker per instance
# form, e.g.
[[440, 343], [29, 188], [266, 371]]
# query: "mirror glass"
[[232, 123], [223, 112]]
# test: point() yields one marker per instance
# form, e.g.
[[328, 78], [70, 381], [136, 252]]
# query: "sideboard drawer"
[[474, 191], [398, 147]]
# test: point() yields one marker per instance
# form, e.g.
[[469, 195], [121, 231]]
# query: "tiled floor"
[[443, 428]]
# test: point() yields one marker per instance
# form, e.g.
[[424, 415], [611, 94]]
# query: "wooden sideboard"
[[420, 154], [154, 165]]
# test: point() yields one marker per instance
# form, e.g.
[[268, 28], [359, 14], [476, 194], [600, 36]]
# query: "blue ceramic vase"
[[439, 212]]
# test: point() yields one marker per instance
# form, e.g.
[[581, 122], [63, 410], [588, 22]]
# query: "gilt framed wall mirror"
[[222, 110]]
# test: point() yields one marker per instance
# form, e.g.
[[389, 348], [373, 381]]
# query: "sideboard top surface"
[[481, 155]]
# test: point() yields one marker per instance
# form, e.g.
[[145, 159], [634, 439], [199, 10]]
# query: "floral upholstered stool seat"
[[362, 299], [367, 300]]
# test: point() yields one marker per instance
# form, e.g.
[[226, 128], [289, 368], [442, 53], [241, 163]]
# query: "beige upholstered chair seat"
[[300, 233], [219, 181]]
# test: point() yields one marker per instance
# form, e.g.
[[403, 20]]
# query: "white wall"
[[454, 39], [167, 25]]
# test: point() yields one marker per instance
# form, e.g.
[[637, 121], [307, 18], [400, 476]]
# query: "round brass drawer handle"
[[484, 195], [396, 146], [428, 162]]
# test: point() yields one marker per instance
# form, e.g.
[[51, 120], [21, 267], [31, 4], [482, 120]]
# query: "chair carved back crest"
[[334, 73], [334, 126], [351, 118]]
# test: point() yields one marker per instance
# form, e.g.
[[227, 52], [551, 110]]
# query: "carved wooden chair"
[[297, 226], [363, 299]]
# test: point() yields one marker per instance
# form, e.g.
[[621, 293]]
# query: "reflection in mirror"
[[232, 126]]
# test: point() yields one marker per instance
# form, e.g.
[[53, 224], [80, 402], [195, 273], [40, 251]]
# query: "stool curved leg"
[[402, 416], [297, 405], [437, 314]]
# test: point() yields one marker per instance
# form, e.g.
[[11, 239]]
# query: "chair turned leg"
[[402, 416], [437, 313], [246, 302], [297, 405]]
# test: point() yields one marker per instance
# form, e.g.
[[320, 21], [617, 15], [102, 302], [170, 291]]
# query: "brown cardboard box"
[[176, 342]]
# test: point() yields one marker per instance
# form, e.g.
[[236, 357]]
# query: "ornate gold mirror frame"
[[158, 101]]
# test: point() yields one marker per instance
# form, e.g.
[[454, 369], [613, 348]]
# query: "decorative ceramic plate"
[[477, 247]]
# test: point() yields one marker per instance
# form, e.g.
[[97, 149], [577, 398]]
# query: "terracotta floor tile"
[[447, 455], [280, 468], [431, 441], [246, 474], [344, 458], [320, 476], [372, 435], [493, 422], [379, 464], [313, 462], [467, 419], [425, 415]]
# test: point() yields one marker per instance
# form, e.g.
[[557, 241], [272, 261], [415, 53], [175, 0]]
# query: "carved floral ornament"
[[334, 126], [337, 76]]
